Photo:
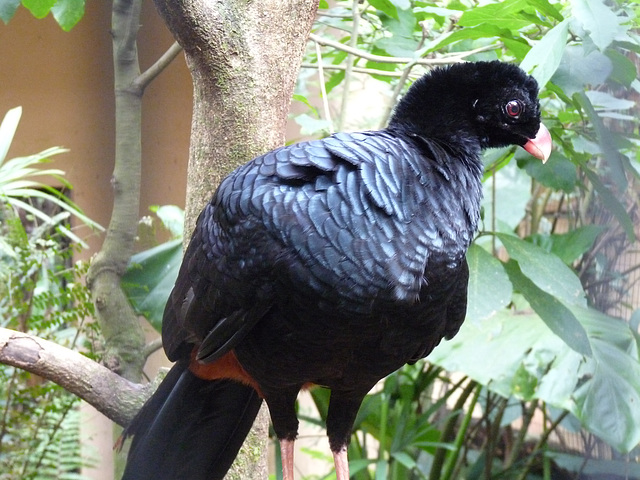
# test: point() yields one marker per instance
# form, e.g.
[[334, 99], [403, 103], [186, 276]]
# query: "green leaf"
[[334, 80], [311, 126], [404, 459], [603, 391], [304, 100], [7, 131], [609, 402], [624, 70], [602, 24], [68, 12], [385, 6], [546, 8], [39, 8], [610, 201], [571, 245], [558, 173], [605, 101], [545, 270], [8, 9], [544, 58], [500, 14], [402, 42], [491, 352], [481, 31], [489, 286], [611, 155], [382, 467], [150, 277], [558, 317], [579, 68], [172, 217]]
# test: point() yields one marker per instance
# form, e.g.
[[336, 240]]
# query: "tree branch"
[[455, 57], [123, 336], [376, 58], [114, 396], [146, 77]]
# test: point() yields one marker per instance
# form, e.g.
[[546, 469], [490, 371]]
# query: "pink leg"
[[342, 464], [286, 455]]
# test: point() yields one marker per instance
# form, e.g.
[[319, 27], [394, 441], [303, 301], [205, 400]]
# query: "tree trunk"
[[123, 336], [244, 58]]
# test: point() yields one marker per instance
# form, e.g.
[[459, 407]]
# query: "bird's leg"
[[286, 455], [340, 417], [341, 463]]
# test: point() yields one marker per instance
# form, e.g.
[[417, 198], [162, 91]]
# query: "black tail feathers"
[[190, 429]]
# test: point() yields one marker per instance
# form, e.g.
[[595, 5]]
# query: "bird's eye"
[[514, 108]]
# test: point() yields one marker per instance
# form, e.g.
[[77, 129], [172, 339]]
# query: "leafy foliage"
[[66, 12], [19, 184], [41, 292], [152, 272]]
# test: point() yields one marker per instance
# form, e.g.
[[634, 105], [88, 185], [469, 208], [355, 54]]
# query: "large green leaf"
[[515, 353], [481, 31], [401, 42], [579, 68], [552, 311], [608, 403], [489, 286], [543, 59], [571, 245], [150, 278], [501, 14], [545, 270], [624, 70], [385, 6], [611, 202], [558, 173], [602, 24]]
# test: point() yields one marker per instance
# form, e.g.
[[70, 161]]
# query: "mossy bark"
[[244, 58]]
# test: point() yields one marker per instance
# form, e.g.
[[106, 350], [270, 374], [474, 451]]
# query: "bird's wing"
[[342, 222]]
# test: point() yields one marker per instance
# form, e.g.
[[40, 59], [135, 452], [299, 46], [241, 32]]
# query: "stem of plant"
[[346, 87], [452, 459], [527, 416], [447, 433]]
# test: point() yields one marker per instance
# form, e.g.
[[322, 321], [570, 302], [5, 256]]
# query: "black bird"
[[330, 262]]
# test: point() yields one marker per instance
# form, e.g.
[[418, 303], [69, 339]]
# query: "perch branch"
[[111, 394]]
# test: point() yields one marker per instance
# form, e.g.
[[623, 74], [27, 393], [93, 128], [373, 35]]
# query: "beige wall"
[[64, 82]]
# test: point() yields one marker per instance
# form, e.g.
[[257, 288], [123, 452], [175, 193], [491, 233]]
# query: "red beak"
[[540, 146]]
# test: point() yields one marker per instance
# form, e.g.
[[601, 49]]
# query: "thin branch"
[[323, 89], [406, 71], [448, 59], [152, 347], [111, 394], [368, 71], [353, 43], [146, 77]]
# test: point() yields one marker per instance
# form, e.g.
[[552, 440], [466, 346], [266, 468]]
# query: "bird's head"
[[488, 104]]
